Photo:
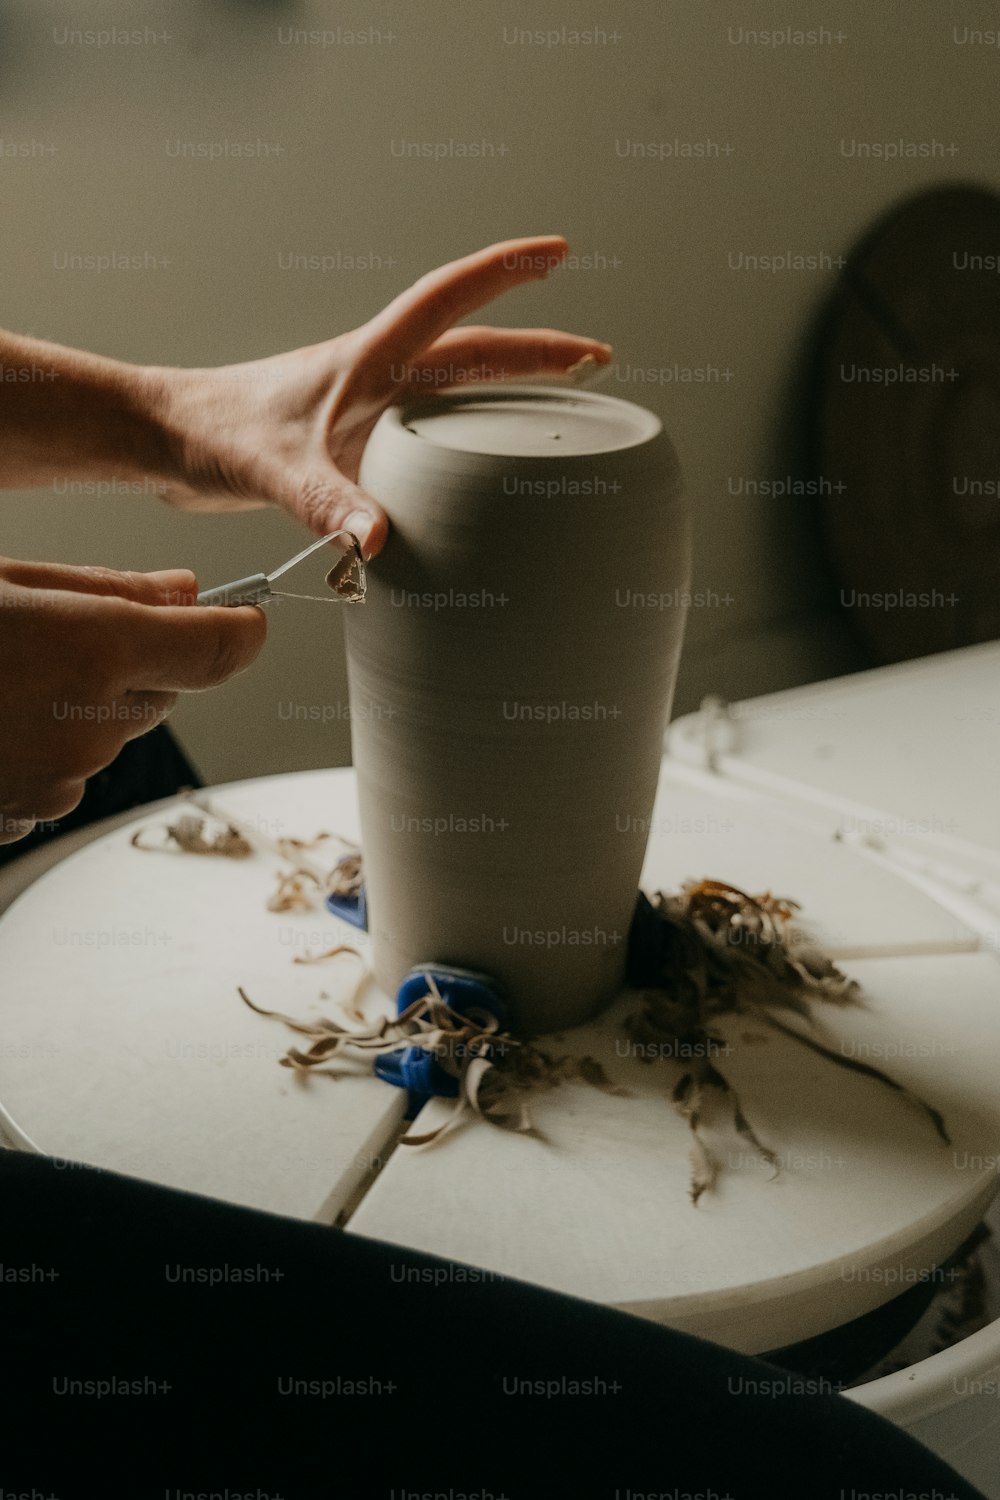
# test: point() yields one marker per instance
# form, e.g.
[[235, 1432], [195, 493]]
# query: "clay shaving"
[[297, 888], [712, 951], [709, 951], [494, 1071], [188, 836]]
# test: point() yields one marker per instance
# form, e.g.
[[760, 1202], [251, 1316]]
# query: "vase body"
[[511, 673]]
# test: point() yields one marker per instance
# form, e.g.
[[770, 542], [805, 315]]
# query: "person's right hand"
[[91, 658]]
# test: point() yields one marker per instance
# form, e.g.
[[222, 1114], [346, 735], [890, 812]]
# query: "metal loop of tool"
[[347, 579]]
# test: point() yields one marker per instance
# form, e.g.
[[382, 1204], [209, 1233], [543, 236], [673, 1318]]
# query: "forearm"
[[64, 413]]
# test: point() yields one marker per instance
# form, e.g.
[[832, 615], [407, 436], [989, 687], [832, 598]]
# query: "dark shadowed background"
[[280, 170]]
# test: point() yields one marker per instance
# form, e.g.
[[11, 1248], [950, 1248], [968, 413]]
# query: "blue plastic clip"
[[353, 909], [464, 991]]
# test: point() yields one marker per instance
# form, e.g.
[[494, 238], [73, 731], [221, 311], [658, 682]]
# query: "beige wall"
[[664, 293]]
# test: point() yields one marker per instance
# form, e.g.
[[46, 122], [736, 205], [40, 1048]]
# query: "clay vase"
[[511, 673]]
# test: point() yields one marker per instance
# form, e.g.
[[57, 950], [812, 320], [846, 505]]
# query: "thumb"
[[332, 502]]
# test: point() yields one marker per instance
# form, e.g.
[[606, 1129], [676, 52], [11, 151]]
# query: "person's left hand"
[[290, 430]]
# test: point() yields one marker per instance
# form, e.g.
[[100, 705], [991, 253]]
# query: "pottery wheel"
[[126, 1046]]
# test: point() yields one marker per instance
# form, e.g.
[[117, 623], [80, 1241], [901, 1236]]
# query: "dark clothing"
[[280, 1358]]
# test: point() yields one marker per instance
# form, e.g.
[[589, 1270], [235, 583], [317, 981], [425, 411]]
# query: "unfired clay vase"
[[511, 673]]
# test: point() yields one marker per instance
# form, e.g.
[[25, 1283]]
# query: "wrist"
[[81, 416], [157, 398]]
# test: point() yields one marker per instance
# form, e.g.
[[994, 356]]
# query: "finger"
[[58, 800], [466, 354], [13, 827], [49, 802], [425, 310], [176, 586], [335, 503], [175, 649], [173, 586]]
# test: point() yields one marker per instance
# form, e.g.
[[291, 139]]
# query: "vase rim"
[[524, 421]]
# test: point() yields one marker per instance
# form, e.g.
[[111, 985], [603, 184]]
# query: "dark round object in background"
[[907, 426]]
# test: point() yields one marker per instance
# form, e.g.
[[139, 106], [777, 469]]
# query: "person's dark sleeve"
[[429, 1378]]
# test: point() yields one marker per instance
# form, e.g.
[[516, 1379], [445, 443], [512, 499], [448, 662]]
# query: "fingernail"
[[173, 575], [179, 585], [360, 522]]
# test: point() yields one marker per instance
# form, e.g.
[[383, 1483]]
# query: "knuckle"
[[317, 497], [105, 580]]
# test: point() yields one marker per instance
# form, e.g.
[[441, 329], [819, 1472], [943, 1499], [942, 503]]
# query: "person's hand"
[[90, 658], [290, 430]]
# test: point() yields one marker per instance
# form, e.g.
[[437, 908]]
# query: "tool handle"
[[253, 590]]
